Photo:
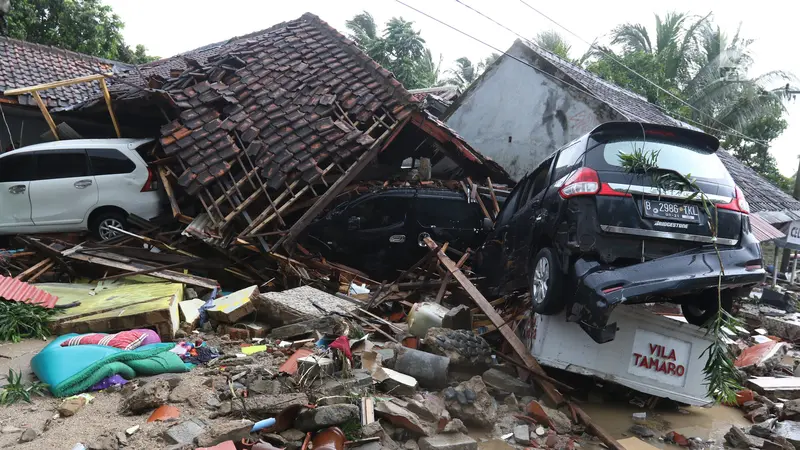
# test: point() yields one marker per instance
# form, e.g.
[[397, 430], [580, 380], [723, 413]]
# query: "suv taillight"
[[739, 203], [152, 182], [583, 181]]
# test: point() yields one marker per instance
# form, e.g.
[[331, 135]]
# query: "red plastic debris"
[[677, 438], [20, 291], [757, 354], [290, 366], [341, 343], [164, 413]]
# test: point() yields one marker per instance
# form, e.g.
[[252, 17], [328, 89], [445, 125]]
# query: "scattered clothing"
[[125, 340], [108, 382], [342, 344]]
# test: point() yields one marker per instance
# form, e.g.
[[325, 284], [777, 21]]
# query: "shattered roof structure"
[[264, 118], [766, 199], [25, 64], [446, 93]]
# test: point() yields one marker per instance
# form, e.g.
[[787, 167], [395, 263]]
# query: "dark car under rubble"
[[585, 234], [379, 232]]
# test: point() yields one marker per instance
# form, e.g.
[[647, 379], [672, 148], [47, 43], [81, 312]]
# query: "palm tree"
[[675, 41], [721, 87], [400, 49], [463, 74], [554, 43]]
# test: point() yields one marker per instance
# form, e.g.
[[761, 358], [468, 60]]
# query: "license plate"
[[680, 212]]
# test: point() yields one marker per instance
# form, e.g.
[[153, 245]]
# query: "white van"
[[76, 185]]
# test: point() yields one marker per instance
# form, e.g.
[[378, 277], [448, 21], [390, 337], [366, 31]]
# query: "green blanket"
[[72, 370]]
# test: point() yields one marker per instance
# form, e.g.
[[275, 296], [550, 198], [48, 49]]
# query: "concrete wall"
[[22, 124], [517, 116]]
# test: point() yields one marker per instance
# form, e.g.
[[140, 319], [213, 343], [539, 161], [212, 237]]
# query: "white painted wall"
[[516, 103]]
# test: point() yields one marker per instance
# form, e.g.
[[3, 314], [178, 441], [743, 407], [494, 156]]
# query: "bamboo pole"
[[47, 117], [107, 96]]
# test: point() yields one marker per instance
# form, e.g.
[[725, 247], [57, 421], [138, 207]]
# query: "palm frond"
[[363, 29], [633, 37]]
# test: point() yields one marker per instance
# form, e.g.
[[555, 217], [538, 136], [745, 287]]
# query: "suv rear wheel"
[[700, 308], [545, 283], [101, 225]]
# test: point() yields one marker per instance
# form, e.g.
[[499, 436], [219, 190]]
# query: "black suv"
[[379, 232], [584, 233]]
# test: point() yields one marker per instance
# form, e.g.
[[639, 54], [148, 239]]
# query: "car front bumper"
[[599, 289]]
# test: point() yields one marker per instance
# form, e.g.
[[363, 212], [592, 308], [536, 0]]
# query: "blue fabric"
[[72, 370]]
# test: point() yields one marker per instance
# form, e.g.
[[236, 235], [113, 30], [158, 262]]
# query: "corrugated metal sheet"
[[763, 231], [20, 291]]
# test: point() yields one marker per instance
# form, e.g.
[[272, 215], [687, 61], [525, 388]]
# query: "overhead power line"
[[617, 60], [559, 80]]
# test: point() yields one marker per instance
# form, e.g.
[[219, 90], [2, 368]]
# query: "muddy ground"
[[194, 395]]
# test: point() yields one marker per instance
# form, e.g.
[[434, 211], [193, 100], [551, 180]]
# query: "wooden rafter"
[[34, 92]]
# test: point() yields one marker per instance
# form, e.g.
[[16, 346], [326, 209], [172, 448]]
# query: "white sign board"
[[659, 357], [793, 233]]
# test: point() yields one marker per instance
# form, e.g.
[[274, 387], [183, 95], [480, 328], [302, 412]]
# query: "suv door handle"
[[17, 189], [82, 184]]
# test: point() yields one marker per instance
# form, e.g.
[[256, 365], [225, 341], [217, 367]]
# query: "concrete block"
[[185, 432], [454, 441], [502, 381], [394, 382], [294, 305], [233, 307], [314, 366], [458, 318]]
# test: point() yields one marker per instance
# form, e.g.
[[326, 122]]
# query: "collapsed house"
[[260, 126], [530, 100]]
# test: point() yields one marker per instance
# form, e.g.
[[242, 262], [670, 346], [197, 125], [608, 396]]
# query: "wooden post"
[[447, 276], [519, 348], [775, 267], [494, 197], [107, 96], [46, 114], [478, 198], [173, 203]]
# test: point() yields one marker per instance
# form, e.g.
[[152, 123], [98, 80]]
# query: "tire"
[[99, 226], [699, 309], [545, 283]]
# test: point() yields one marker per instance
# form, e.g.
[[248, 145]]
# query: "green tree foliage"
[[554, 43], [701, 65], [466, 72], [85, 26], [399, 49]]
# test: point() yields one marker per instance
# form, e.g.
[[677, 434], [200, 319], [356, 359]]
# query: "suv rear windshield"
[[683, 159]]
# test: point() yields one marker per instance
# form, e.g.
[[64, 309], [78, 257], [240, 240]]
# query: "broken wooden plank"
[[173, 202], [133, 266], [478, 198], [33, 269], [519, 348], [494, 197], [41, 272], [55, 84], [447, 276], [48, 251]]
